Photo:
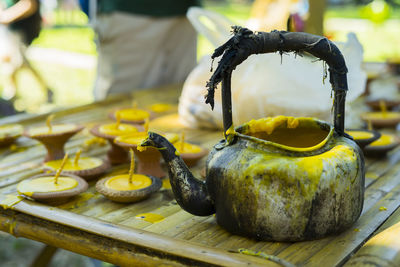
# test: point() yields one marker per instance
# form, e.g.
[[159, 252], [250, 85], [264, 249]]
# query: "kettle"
[[278, 178]]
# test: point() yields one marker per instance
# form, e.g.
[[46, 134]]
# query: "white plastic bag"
[[10, 53], [261, 85]]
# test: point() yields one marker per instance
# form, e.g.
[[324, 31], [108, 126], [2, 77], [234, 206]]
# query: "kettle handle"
[[245, 43]]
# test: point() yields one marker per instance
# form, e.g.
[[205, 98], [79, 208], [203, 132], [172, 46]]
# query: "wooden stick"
[[60, 169], [118, 118], [77, 156], [382, 106], [132, 167], [370, 125], [48, 122]]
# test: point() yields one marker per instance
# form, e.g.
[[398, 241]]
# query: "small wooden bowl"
[[364, 142], [389, 122], [116, 155], [10, 138], [54, 142], [148, 161], [86, 174], [128, 196], [381, 151], [60, 197]]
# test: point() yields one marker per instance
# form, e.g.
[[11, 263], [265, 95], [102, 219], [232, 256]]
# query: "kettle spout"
[[190, 193]]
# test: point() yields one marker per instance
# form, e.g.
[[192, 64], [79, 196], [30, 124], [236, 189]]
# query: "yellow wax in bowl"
[[84, 163], [133, 114], [160, 107], [10, 130], [55, 129], [381, 115], [122, 129], [187, 148], [384, 140], [46, 184], [121, 182], [134, 138], [360, 135]]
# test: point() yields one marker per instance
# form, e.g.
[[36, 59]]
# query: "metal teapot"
[[281, 178]]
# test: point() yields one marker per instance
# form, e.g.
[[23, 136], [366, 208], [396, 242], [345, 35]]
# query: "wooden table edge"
[[156, 248]]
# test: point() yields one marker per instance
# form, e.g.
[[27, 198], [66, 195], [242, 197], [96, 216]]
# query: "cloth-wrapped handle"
[[245, 43]]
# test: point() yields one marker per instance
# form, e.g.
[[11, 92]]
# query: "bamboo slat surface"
[[92, 225]]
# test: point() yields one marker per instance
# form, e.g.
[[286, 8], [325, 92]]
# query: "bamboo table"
[[94, 226]]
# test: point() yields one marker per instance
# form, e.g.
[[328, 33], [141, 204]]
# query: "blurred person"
[[142, 44], [21, 22]]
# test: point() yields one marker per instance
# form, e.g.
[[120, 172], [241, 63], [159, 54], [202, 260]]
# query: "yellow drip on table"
[[121, 182], [359, 135], [114, 129], [46, 185], [84, 163], [187, 148], [10, 130], [150, 217], [131, 114], [384, 140], [55, 129]]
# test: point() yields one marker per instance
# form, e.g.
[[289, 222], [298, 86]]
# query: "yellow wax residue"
[[381, 115], [123, 129], [160, 107], [84, 163], [359, 135], [269, 124], [231, 130], [384, 140], [55, 129], [187, 148], [79, 201], [121, 182], [150, 217], [382, 208], [9, 201], [356, 230], [133, 114], [10, 130], [166, 184], [308, 169], [46, 184]]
